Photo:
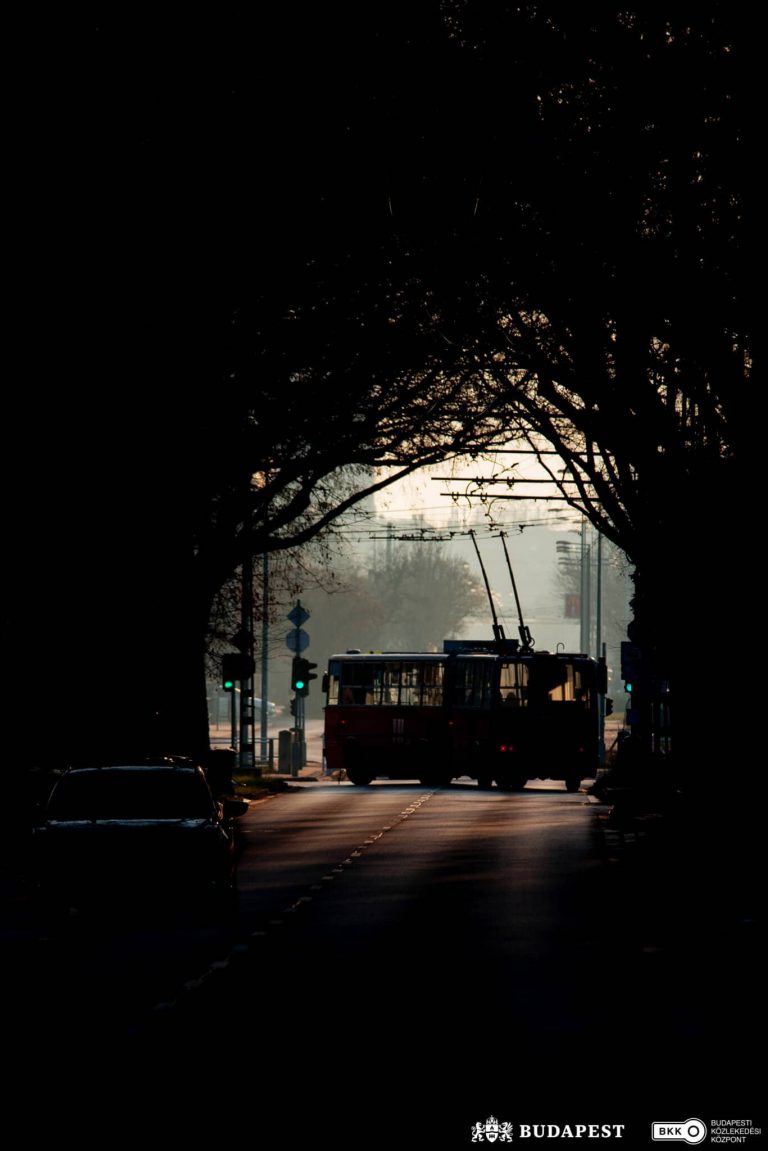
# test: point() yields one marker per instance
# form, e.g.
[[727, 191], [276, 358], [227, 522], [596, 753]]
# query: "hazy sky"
[[532, 530]]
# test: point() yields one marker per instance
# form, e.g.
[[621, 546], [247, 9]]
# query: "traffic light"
[[301, 674], [310, 675], [293, 707], [631, 661], [236, 666], [228, 672]]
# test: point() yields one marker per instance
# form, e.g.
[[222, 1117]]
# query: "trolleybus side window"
[[513, 683], [421, 684], [391, 673], [584, 679], [372, 686], [356, 682], [410, 686], [385, 683], [473, 683], [562, 691], [412, 683], [575, 686], [432, 685], [563, 681], [334, 682]]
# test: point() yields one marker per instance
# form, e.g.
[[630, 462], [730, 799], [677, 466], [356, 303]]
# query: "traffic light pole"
[[264, 717], [247, 761], [299, 753], [301, 675], [237, 667], [299, 746], [600, 648]]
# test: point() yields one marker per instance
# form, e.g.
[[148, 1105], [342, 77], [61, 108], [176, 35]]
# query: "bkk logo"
[[694, 1131], [683, 1131]]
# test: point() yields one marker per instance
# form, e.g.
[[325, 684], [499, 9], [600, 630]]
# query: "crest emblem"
[[492, 1130]]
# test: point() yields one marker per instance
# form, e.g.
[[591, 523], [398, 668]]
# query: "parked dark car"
[[144, 832]]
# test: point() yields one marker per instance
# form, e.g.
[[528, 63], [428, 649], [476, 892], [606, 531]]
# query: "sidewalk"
[[272, 782], [687, 888]]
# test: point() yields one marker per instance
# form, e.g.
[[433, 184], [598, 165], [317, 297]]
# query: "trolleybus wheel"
[[572, 783], [358, 776], [512, 782], [484, 782], [435, 779]]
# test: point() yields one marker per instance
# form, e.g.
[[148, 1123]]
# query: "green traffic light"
[[229, 684], [299, 684]]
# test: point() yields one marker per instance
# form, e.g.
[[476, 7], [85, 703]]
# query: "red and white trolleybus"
[[385, 715], [489, 711]]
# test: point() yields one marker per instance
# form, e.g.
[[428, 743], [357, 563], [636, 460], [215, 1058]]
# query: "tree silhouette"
[[253, 261]]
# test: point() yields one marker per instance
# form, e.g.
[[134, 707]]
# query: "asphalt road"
[[477, 932], [416, 958]]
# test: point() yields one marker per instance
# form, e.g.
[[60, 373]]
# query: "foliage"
[[556, 246], [408, 600], [423, 597], [268, 265], [630, 346]]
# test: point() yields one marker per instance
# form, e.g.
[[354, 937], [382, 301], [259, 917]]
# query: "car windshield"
[[126, 794]]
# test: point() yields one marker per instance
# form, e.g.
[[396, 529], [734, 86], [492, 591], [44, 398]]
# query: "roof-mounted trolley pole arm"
[[526, 638], [498, 630]]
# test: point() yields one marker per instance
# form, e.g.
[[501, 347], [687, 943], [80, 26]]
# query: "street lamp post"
[[567, 552], [586, 596], [264, 654], [247, 762]]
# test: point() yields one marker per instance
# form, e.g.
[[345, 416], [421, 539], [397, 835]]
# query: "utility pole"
[[247, 762], [264, 653], [599, 599], [586, 592], [600, 649]]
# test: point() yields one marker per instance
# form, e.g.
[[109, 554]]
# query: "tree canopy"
[[257, 263]]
